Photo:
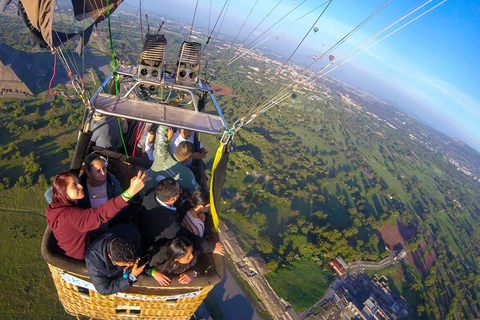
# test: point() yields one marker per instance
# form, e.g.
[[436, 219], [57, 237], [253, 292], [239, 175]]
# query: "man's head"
[[122, 251], [184, 151], [186, 134], [168, 190]]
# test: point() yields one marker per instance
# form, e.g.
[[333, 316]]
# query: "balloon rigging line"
[[293, 81], [241, 28], [214, 26], [268, 14], [399, 28], [304, 37], [275, 33], [193, 21], [283, 94]]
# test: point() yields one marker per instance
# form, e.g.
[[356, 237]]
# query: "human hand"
[[138, 182], [201, 216], [219, 249], [186, 277], [162, 279], [136, 270], [198, 155], [169, 134]]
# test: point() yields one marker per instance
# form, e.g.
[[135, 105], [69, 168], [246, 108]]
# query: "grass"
[[27, 290], [454, 243], [302, 283]]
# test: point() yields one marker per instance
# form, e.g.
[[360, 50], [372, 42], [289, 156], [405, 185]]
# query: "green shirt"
[[167, 165]]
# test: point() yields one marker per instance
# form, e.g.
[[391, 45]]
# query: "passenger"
[[106, 132], [185, 135], [172, 165], [101, 186], [112, 260], [194, 219], [159, 218], [195, 164], [70, 223], [150, 140], [98, 185], [178, 256]]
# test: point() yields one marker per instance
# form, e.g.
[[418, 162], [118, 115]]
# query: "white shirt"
[[97, 195], [165, 205], [176, 139]]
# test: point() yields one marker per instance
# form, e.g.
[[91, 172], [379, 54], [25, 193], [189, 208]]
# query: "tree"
[[272, 265], [264, 245]]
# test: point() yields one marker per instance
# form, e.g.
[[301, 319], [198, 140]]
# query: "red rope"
[[51, 80], [138, 137]]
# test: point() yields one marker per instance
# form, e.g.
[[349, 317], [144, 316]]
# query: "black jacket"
[[156, 222], [113, 189], [105, 276], [157, 253]]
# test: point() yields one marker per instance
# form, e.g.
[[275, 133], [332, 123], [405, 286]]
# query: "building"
[[336, 267]]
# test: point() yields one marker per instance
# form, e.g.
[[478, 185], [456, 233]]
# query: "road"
[[233, 303], [370, 265], [250, 272]]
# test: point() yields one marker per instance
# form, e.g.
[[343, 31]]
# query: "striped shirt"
[[195, 225]]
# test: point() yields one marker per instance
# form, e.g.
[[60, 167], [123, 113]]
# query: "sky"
[[430, 68]]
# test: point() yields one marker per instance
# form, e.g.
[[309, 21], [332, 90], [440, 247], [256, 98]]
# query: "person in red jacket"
[[70, 223]]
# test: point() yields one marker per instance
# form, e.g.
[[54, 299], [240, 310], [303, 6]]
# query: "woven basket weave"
[[89, 303]]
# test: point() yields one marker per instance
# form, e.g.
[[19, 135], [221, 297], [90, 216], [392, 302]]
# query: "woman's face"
[[187, 257], [97, 173], [74, 189]]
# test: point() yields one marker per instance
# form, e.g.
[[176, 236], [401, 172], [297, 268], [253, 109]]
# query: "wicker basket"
[[145, 300]]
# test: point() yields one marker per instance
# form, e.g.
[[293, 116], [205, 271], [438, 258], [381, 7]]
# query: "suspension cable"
[[348, 35], [273, 34], [193, 20], [304, 37], [214, 26], [284, 94]]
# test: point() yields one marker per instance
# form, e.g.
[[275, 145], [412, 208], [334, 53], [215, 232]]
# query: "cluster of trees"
[[327, 186]]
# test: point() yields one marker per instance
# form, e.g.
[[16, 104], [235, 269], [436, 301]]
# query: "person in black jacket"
[[159, 218], [112, 260], [177, 256]]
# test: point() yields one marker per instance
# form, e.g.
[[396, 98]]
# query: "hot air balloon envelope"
[[331, 57], [315, 29], [314, 57]]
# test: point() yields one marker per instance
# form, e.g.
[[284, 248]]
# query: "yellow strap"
[[213, 207]]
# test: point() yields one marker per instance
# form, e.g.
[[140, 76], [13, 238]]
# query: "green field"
[[301, 294]]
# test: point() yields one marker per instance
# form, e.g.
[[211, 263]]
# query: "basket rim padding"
[[71, 265]]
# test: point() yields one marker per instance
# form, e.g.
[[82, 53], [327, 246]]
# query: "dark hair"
[[175, 249], [153, 128], [184, 149], [59, 190], [122, 249], [200, 197], [166, 189], [87, 163]]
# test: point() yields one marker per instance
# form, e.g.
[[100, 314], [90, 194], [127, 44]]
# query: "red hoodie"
[[70, 224]]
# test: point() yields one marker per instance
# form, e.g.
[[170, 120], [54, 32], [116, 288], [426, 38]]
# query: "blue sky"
[[430, 68]]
